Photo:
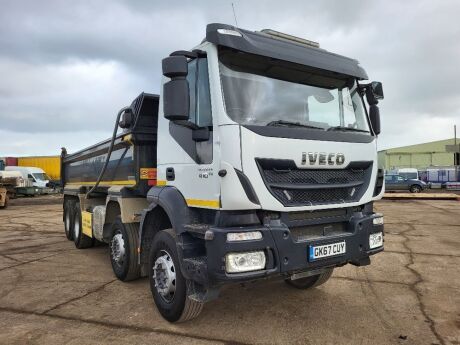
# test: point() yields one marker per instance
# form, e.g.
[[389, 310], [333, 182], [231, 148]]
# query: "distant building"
[[420, 156]]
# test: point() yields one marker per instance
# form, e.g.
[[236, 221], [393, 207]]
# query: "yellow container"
[[50, 164]]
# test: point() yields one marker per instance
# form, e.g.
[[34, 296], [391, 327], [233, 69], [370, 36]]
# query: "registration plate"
[[327, 250]]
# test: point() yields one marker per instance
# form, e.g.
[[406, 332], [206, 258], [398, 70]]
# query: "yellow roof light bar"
[[285, 37]]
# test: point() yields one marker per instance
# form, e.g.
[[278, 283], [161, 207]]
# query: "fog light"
[[376, 240], [243, 236], [378, 220], [244, 262]]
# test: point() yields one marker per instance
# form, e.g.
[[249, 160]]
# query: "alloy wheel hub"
[[164, 275], [118, 248]]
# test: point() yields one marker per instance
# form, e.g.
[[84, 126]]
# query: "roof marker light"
[[229, 32]]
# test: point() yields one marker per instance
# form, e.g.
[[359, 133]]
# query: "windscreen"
[[261, 92], [41, 177]]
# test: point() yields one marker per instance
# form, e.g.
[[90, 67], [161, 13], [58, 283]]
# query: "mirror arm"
[[371, 100]]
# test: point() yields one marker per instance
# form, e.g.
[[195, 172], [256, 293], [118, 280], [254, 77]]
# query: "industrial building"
[[420, 156]]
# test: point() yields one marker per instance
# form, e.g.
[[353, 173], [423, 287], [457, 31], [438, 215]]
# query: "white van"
[[409, 173], [35, 175]]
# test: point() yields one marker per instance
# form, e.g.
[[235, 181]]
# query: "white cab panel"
[[257, 146]]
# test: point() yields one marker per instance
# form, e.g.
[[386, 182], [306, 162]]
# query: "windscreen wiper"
[[289, 123], [346, 129]]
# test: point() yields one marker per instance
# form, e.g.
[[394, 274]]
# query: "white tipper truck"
[[258, 160]]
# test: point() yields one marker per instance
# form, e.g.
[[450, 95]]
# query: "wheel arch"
[[167, 209], [112, 211], [417, 185]]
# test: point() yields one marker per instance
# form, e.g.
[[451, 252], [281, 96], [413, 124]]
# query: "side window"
[[200, 100], [191, 78], [388, 178]]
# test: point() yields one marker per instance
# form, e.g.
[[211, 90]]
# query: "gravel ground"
[[52, 293]]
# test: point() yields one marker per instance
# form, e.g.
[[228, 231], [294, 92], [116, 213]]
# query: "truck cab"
[[260, 162]]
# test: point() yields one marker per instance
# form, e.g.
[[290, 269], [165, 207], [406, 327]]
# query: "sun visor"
[[281, 48]]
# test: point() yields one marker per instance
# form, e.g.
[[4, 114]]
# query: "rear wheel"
[[68, 219], [415, 189], [312, 281], [168, 285], [80, 239], [123, 250]]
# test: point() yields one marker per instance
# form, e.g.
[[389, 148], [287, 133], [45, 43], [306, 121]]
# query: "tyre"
[[415, 188], [68, 209], [312, 281], [123, 250], [168, 285], [80, 239]]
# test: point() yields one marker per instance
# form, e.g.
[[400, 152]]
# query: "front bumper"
[[285, 253]]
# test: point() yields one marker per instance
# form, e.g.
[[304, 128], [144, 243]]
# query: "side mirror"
[[176, 99], [374, 92], [374, 117], [175, 67], [377, 90]]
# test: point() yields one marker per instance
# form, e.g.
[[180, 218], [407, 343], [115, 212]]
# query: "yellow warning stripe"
[[203, 203], [161, 182], [102, 183], [128, 138]]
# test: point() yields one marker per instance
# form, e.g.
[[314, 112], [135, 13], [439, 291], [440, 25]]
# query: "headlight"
[[244, 262], [378, 220], [243, 236]]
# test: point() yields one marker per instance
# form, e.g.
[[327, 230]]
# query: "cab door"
[[186, 153]]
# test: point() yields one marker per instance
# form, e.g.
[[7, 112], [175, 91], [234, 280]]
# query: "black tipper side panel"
[[134, 148], [262, 44]]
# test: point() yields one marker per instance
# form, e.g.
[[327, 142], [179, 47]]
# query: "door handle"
[[170, 175]]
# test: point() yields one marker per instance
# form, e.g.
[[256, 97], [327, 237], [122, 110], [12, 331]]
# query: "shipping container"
[[443, 175], [11, 161], [50, 164]]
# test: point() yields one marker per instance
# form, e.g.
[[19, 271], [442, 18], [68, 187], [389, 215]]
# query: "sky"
[[67, 67]]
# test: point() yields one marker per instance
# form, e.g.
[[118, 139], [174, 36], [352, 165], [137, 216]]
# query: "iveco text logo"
[[323, 158]]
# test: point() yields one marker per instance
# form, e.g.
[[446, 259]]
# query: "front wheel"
[[168, 285], [123, 250], [312, 281], [415, 189]]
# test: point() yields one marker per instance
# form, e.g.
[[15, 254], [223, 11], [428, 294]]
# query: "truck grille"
[[299, 187]]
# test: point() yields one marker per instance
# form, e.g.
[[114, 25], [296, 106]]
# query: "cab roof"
[[264, 44]]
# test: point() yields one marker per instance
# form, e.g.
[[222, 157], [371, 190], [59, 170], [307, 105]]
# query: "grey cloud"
[[75, 63]]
